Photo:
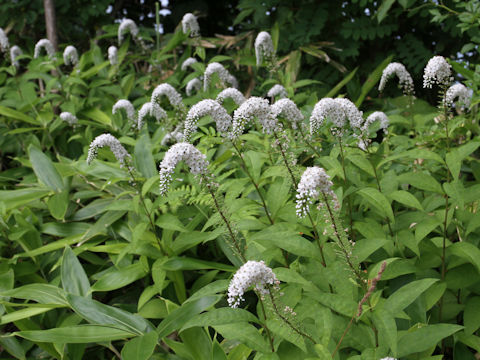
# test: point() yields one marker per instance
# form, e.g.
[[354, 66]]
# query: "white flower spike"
[[4, 44], [45, 44], [188, 62], [313, 181], [458, 91], [404, 78], [204, 108], [128, 107], [113, 55], [289, 110], [193, 85], [127, 26], [115, 146], [190, 23], [264, 47], [338, 111], [169, 91], [253, 107], [277, 90], [15, 51], [223, 74], [69, 118], [438, 71], [70, 56], [232, 93], [252, 273], [150, 109]]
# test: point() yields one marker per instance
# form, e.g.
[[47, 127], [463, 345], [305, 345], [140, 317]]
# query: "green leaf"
[[221, 316], [24, 314], [341, 84], [421, 181], [246, 333], [74, 278], [424, 338], [170, 222], [41, 293], [99, 116], [179, 317], [44, 169], [383, 10], [378, 201], [455, 157], [97, 313], [13, 346], [184, 263], [405, 198], [407, 294], [80, 334], [12, 199], [141, 347], [362, 163], [58, 205], [17, 115], [143, 157], [387, 329], [471, 315], [119, 278], [466, 251]]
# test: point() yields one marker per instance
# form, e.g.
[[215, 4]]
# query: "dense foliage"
[[146, 216]]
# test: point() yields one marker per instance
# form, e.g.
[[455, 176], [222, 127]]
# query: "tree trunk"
[[50, 22]]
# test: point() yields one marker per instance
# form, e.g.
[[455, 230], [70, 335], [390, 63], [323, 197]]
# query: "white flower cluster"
[[277, 90], [127, 26], [223, 74], [338, 111], [4, 44], [108, 140], [193, 85], [112, 55], [174, 136], [70, 55], [404, 78], [195, 160], [289, 110], [251, 273], [190, 23], [313, 181], [150, 109], [169, 91], [188, 62], [232, 93], [457, 91], [47, 45], [379, 116], [438, 71], [264, 47], [68, 117], [15, 51], [253, 107], [128, 107], [204, 108]]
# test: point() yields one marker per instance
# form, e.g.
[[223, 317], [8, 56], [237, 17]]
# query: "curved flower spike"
[[232, 93], [354, 116], [47, 45], [195, 160], [459, 91], [70, 55], [112, 55], [108, 140], [288, 109], [15, 51], [223, 74], [128, 107], [404, 78], [277, 90], [376, 116], [438, 71], [127, 26], [68, 117], [192, 85], [264, 47], [190, 23], [252, 273], [4, 44], [169, 91], [204, 108], [151, 109], [253, 107], [313, 181], [338, 111], [188, 62]]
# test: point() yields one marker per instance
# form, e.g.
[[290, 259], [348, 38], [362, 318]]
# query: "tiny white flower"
[[169, 91], [188, 62], [115, 146], [204, 108], [404, 78], [70, 55], [151, 109], [193, 85], [277, 90], [113, 55], [438, 71], [15, 51], [190, 23], [287, 109], [264, 47], [4, 44], [253, 107], [313, 182], [252, 273], [459, 91], [128, 107], [223, 74], [232, 93], [195, 160], [68, 117], [45, 44], [127, 26]]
